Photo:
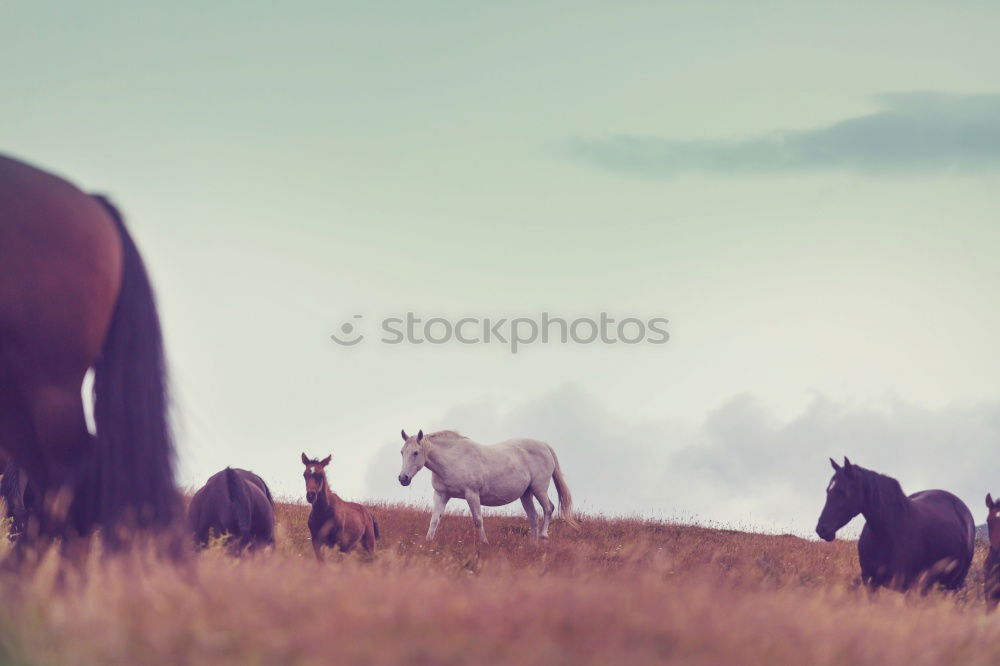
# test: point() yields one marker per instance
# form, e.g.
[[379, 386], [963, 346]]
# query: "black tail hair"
[[132, 477]]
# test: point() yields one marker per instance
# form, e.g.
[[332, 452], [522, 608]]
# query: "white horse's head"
[[414, 456]]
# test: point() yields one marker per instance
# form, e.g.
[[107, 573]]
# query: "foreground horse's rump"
[[491, 475], [74, 294], [236, 503], [334, 522], [927, 537]]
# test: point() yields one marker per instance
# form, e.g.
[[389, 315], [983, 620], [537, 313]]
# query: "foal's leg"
[[477, 515], [541, 493], [440, 501], [528, 502]]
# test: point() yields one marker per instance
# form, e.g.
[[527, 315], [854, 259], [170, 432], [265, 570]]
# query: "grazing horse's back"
[[74, 294], [233, 502]]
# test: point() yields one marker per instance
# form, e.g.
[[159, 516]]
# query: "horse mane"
[[882, 494], [446, 437]]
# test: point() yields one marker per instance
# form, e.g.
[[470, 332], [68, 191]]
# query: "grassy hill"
[[617, 591]]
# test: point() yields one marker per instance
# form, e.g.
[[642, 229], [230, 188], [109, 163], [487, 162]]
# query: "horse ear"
[[403, 433], [847, 463], [305, 459], [420, 436], [325, 461], [836, 467], [989, 501]]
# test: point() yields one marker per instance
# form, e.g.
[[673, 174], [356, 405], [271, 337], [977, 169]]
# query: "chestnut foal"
[[991, 567], [332, 521]]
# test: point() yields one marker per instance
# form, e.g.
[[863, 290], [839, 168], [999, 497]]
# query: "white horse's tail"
[[565, 498]]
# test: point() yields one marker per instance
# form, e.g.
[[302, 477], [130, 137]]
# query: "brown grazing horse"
[[236, 503], [74, 295], [332, 521], [926, 538], [991, 567]]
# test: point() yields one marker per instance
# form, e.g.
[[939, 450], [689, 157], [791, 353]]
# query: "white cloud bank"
[[742, 466]]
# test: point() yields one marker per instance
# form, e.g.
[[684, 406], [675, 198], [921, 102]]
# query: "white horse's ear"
[[325, 461], [403, 433], [420, 436], [305, 459]]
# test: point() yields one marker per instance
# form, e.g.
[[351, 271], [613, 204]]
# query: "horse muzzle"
[[311, 497], [825, 533], [404, 479]]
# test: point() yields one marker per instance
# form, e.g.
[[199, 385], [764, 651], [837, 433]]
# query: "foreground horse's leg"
[[440, 501], [318, 550], [548, 508], [528, 502], [62, 437], [477, 514]]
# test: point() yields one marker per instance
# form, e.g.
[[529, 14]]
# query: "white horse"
[[491, 475]]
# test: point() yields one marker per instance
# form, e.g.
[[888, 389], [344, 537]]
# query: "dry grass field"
[[618, 591]]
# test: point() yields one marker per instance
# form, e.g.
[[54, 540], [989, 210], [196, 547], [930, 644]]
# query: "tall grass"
[[617, 591]]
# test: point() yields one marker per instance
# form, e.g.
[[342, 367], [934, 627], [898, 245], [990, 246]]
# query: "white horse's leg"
[[477, 515], [528, 502], [541, 492], [440, 501]]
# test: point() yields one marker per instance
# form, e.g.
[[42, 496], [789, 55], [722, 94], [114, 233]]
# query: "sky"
[[806, 193]]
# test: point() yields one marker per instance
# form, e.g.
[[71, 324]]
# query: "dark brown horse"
[[332, 521], [927, 537], [74, 295], [991, 567], [234, 503]]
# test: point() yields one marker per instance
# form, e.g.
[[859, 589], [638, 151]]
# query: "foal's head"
[[843, 500], [414, 456], [315, 476], [993, 522]]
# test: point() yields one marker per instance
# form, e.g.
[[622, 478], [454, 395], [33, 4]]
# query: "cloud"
[[742, 465], [909, 133]]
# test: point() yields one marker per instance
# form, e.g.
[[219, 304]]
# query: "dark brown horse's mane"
[[884, 499]]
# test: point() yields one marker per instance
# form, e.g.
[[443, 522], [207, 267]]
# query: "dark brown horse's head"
[[993, 522], [315, 476], [843, 500]]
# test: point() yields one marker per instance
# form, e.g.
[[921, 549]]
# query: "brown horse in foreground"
[[332, 521], [927, 538], [74, 295], [991, 567], [234, 503]]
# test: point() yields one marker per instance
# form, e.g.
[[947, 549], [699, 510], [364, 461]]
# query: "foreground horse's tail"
[[239, 500], [565, 498], [134, 478]]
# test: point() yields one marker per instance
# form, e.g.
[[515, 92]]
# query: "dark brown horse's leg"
[[368, 540], [318, 550], [61, 436], [17, 436]]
